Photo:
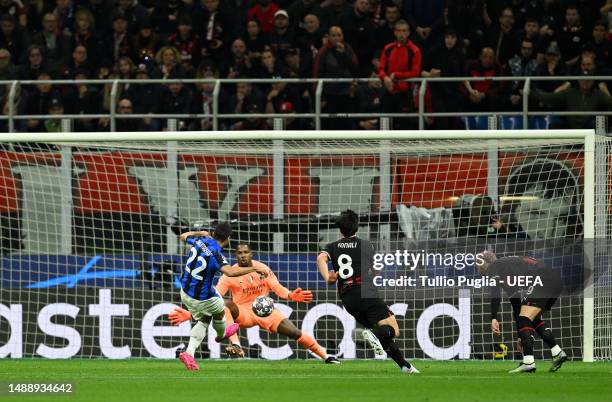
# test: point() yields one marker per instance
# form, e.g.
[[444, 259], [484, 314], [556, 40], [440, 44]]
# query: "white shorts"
[[202, 310]]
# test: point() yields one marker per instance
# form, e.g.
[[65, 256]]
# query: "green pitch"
[[312, 381]]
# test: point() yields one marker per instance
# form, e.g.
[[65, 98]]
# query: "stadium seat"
[[535, 122], [476, 122], [511, 123], [551, 120]]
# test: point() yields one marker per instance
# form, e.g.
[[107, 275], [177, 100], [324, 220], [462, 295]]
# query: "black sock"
[[526, 333], [385, 335], [395, 353], [545, 333], [384, 332]]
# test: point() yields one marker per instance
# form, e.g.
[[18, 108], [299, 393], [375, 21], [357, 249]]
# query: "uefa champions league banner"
[[124, 323]]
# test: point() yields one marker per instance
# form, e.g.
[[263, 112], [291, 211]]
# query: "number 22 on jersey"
[[200, 265]]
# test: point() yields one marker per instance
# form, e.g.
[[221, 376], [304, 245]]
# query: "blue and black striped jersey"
[[204, 261]]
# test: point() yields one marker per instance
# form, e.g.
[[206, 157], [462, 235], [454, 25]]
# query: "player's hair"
[[222, 231], [243, 244], [348, 223]]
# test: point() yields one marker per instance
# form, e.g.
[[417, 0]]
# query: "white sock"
[[196, 336], [219, 326], [555, 350], [528, 359]]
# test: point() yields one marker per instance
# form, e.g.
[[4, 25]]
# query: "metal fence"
[[420, 113]]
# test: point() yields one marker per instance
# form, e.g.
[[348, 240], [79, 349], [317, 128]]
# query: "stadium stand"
[[77, 39]]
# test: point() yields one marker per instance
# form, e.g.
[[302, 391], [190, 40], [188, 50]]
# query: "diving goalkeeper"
[[239, 310]]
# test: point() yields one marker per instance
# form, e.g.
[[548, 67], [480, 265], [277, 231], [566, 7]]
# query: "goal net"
[[91, 254]]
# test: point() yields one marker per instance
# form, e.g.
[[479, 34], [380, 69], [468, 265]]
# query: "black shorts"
[[544, 303], [544, 296], [367, 312]]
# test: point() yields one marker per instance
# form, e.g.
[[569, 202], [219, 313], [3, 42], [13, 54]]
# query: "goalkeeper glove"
[[299, 295], [179, 315]]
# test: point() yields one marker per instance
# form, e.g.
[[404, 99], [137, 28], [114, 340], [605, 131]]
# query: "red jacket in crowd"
[[264, 16], [402, 59]]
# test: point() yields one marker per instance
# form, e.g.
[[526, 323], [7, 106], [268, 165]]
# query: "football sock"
[[526, 333], [395, 353], [385, 334], [546, 335], [309, 343], [219, 326], [229, 320], [196, 336]]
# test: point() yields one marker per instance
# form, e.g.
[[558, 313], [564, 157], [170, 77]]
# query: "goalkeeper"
[[244, 291]]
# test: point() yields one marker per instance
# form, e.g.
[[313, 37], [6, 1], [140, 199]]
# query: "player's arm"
[[495, 295], [273, 283], [495, 303], [322, 261], [196, 233], [238, 271], [222, 286], [298, 295]]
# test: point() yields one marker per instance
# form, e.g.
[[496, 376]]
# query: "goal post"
[[90, 252]]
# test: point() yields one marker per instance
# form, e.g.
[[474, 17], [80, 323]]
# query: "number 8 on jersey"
[[345, 266]]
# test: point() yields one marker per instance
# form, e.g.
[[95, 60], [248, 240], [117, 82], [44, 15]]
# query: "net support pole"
[[589, 247], [526, 91], [278, 188], [172, 189], [385, 123], [493, 164], [66, 199], [318, 94], [601, 249], [66, 125], [113, 106], [385, 185], [11, 107], [215, 107], [422, 90]]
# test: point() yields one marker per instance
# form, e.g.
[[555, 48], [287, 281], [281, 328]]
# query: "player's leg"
[[515, 302], [232, 314], [197, 333], [353, 305], [196, 336], [216, 308], [558, 355], [373, 342], [374, 313], [527, 334], [286, 327], [385, 331]]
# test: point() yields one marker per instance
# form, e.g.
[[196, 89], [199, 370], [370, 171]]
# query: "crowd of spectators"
[[389, 40]]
